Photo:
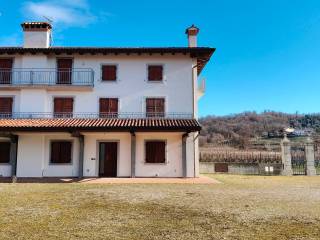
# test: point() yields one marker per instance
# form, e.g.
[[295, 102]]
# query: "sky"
[[267, 52]]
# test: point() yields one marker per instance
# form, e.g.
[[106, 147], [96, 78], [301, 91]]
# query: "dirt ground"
[[240, 207]]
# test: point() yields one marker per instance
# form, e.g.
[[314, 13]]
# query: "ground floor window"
[[155, 151], [61, 152], [5, 152]]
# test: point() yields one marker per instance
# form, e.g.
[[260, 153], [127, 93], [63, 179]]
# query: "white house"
[[89, 112]]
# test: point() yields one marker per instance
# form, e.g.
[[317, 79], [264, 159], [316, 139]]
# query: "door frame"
[[98, 154]]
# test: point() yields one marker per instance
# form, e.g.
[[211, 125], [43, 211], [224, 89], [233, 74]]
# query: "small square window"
[[61, 152], [155, 151], [109, 73], [155, 73]]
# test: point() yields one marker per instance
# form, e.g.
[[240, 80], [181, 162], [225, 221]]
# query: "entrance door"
[[108, 156]]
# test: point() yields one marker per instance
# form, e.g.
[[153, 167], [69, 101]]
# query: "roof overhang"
[[99, 125], [202, 54]]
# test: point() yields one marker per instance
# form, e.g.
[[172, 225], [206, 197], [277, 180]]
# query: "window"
[[155, 151], [155, 107], [109, 73], [63, 107], [155, 73], [5, 152], [108, 107], [61, 152], [6, 107], [64, 66], [6, 70]]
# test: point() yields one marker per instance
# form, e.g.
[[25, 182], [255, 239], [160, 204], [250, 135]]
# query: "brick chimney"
[[192, 33], [36, 34]]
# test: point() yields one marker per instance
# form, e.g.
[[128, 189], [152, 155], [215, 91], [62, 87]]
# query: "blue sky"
[[267, 57]]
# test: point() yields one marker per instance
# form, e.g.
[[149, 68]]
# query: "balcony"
[[121, 115], [51, 79]]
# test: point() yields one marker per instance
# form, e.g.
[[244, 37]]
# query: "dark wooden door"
[[6, 70], [64, 67], [108, 156]]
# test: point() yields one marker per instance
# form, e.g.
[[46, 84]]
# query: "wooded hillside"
[[240, 128]]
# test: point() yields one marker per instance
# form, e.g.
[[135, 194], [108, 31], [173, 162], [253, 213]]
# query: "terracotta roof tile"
[[99, 124]]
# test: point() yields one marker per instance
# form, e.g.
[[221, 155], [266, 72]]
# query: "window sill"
[[146, 163], [109, 81], [155, 81], [60, 164]]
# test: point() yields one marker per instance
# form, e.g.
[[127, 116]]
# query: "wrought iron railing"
[[42, 76], [86, 115]]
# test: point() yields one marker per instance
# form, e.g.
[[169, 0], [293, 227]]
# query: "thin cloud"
[[67, 13]]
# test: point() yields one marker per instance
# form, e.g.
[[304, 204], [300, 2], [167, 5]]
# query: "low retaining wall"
[[241, 168]]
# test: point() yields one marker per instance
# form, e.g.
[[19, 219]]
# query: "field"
[[240, 207]]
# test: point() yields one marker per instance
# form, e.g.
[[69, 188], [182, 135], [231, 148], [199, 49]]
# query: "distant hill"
[[239, 129]]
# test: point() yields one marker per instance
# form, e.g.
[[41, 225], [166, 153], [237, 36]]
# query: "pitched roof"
[[99, 124], [202, 54]]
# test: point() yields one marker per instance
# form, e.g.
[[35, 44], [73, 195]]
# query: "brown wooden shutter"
[[5, 152], [155, 152], [55, 152], [61, 152], [6, 70], [155, 73], [108, 107], [109, 73], [155, 107], [6, 106], [64, 67], [63, 107]]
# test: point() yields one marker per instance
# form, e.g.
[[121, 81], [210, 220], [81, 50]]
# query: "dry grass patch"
[[242, 207]]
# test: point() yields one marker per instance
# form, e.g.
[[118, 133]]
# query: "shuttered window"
[[155, 107], [155, 72], [6, 107], [63, 107], [108, 107], [155, 151], [64, 67], [6, 70], [109, 73], [61, 152], [5, 152]]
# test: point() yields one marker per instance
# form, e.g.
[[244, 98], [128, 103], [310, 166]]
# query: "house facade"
[[99, 112]]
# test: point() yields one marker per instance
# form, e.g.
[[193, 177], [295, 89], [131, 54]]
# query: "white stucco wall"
[[131, 87], [34, 156], [173, 165], [30, 158], [36, 39], [91, 153]]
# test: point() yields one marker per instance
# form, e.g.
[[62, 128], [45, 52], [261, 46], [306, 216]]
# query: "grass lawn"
[[241, 207]]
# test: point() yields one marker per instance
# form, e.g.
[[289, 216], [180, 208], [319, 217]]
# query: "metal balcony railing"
[[121, 115], [49, 77]]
